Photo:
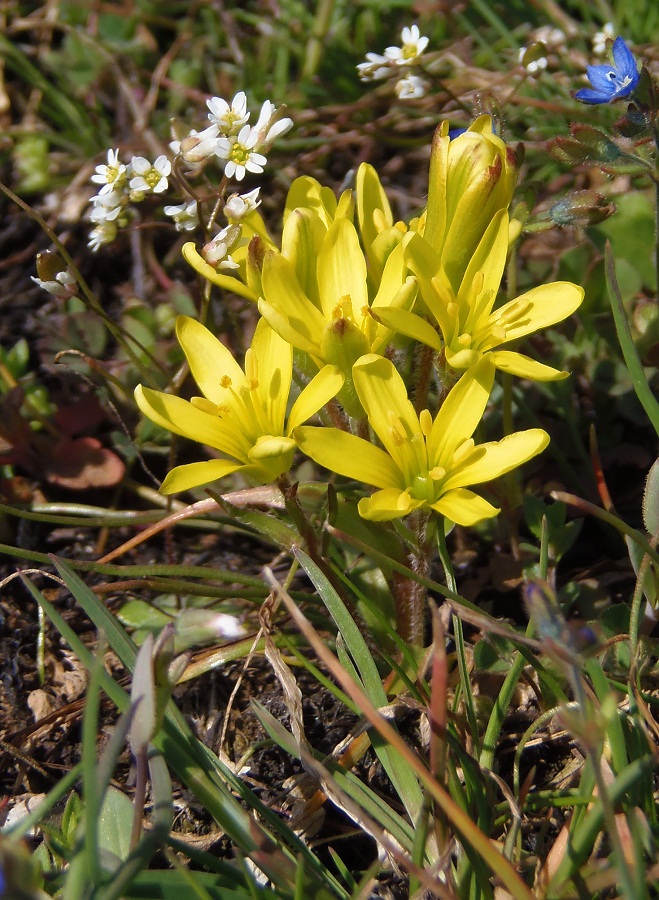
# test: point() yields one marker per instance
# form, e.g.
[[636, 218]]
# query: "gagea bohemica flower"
[[331, 321], [425, 463], [471, 178], [242, 413], [470, 326], [611, 82]]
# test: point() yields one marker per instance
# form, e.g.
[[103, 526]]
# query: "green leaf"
[[402, 777], [115, 822], [651, 500]]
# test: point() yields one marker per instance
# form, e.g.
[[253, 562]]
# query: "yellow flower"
[[336, 326], [242, 413], [425, 463], [310, 210], [470, 326], [471, 178]]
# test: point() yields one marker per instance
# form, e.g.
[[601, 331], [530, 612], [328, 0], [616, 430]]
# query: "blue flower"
[[611, 82]]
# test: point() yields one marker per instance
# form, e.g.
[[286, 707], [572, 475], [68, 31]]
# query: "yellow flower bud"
[[472, 177]]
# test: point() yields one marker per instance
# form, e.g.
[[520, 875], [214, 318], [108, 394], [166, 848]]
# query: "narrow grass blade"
[[632, 361]]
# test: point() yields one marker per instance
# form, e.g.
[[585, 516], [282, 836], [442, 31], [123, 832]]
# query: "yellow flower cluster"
[[345, 282]]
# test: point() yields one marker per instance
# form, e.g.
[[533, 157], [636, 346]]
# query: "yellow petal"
[[348, 455], [208, 358], [273, 358], [387, 504], [320, 390], [498, 457], [518, 364], [301, 241], [436, 215], [177, 415], [182, 478], [291, 329], [307, 193], [342, 268], [490, 259], [199, 264], [383, 395], [411, 325], [373, 209], [543, 306], [464, 507], [460, 413], [282, 293]]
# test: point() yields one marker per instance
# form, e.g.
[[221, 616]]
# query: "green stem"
[[314, 49]]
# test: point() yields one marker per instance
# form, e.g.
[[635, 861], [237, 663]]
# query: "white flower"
[[112, 176], [600, 39], [63, 285], [240, 205], [413, 47], [411, 87], [240, 154], [267, 129], [104, 233], [108, 207], [186, 216], [549, 36], [375, 67], [196, 146], [228, 118], [217, 252], [148, 178], [535, 63]]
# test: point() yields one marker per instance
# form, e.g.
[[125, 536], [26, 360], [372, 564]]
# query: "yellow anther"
[[404, 501], [437, 473], [464, 340], [396, 425], [225, 381], [425, 421]]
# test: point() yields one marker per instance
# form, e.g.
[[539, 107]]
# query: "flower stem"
[[411, 596]]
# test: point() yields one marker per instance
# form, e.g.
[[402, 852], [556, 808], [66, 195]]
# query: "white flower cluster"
[[532, 63], [122, 185], [217, 252], [601, 38], [543, 41], [240, 147], [230, 139], [395, 61], [62, 285]]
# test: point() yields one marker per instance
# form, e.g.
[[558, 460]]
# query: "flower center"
[[152, 178], [239, 154]]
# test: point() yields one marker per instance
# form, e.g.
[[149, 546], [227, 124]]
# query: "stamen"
[[425, 421], [225, 381]]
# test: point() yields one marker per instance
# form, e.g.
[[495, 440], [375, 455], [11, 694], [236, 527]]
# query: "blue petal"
[[601, 78], [586, 95], [624, 60]]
